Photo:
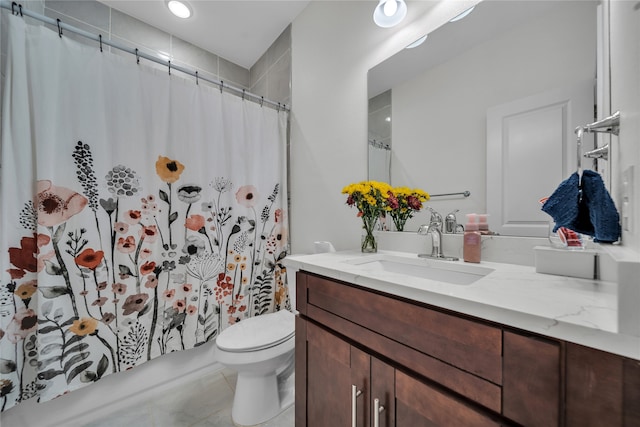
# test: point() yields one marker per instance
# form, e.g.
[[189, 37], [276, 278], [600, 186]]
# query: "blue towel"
[[586, 209], [563, 204], [602, 211]]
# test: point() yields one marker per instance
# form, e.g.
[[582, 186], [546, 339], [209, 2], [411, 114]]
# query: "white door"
[[531, 148]]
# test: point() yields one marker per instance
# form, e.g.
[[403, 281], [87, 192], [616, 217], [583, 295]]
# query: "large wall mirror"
[[488, 105]]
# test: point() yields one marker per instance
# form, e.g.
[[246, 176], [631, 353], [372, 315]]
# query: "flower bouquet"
[[403, 202], [370, 198]]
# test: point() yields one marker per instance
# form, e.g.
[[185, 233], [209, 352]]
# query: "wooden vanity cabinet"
[[431, 367]]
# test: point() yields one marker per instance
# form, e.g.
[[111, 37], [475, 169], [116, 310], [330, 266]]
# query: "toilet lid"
[[258, 332]]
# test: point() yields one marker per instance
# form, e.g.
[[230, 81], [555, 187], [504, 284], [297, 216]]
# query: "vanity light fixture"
[[389, 13], [179, 8], [463, 14], [417, 42]]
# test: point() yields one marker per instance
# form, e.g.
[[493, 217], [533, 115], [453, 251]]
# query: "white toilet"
[[261, 350]]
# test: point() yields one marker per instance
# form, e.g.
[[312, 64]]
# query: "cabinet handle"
[[377, 408], [354, 395]]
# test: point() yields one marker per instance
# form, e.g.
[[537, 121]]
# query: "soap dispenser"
[[472, 240]]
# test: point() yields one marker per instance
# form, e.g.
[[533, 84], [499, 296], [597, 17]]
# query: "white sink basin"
[[439, 271]]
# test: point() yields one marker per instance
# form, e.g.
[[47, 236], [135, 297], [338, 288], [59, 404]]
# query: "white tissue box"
[[565, 262]]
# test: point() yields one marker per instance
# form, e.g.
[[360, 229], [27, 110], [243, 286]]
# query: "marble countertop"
[[581, 311]]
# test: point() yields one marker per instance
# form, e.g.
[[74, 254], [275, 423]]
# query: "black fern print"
[[262, 294], [29, 216], [87, 178], [133, 345]]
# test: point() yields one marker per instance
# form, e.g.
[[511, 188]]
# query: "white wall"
[[334, 43]]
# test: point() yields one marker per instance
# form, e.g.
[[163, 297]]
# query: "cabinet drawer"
[[471, 346], [418, 404]]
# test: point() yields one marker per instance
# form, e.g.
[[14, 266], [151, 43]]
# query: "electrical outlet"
[[627, 199]]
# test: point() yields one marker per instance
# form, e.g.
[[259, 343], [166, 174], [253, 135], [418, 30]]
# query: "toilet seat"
[[258, 333]]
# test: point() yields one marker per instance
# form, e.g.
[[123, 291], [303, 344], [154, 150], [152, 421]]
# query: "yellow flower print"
[[84, 326], [168, 170]]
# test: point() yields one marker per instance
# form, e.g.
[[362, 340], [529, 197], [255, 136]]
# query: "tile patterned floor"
[[202, 403]]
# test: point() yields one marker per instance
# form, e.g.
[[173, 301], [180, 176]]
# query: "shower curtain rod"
[[17, 9]]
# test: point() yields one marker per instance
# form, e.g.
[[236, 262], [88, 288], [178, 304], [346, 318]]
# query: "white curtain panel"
[[140, 213]]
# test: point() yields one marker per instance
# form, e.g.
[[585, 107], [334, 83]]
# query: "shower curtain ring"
[[59, 27], [261, 101], [278, 107], [197, 78], [137, 57], [169, 62], [243, 93], [221, 85], [100, 37]]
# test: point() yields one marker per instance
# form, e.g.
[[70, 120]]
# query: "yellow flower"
[[26, 290], [168, 170], [84, 326]]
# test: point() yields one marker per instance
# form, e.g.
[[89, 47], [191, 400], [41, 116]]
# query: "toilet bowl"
[[261, 350]]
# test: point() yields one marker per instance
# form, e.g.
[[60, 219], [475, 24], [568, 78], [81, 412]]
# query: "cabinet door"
[[531, 387], [332, 368], [602, 389], [419, 404], [383, 389]]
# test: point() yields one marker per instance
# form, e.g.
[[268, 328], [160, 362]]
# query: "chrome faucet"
[[451, 225], [434, 229]]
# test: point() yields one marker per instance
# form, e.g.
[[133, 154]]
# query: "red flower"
[[126, 245], [23, 323], [414, 203], [150, 233], [247, 196], [194, 222], [147, 267], [152, 281], [119, 288], [392, 200], [134, 303], [89, 258], [132, 217], [168, 294], [56, 205], [179, 305], [25, 258], [192, 309]]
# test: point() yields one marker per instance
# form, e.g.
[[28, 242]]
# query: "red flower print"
[[186, 288], [279, 215], [192, 309], [119, 288], [23, 323], [247, 196], [101, 286], [168, 294], [150, 233], [56, 205], [99, 302], [134, 303], [179, 305], [145, 253], [132, 217], [194, 222], [231, 309], [121, 227], [25, 257], [152, 281], [108, 318], [242, 308], [89, 258], [126, 245], [147, 268]]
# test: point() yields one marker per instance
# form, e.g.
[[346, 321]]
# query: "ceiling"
[[237, 30]]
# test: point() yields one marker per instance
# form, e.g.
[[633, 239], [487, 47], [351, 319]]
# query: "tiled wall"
[[269, 77]]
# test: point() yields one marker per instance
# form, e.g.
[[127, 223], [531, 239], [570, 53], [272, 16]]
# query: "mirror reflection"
[[488, 104]]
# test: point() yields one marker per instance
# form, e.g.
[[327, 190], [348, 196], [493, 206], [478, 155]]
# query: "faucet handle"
[[435, 216]]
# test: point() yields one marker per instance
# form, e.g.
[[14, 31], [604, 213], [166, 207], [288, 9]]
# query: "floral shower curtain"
[[141, 213]]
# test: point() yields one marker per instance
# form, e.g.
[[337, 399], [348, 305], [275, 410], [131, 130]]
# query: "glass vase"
[[369, 244]]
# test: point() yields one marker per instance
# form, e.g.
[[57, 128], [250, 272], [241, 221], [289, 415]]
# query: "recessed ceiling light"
[[179, 8], [389, 13], [417, 42], [463, 14]]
